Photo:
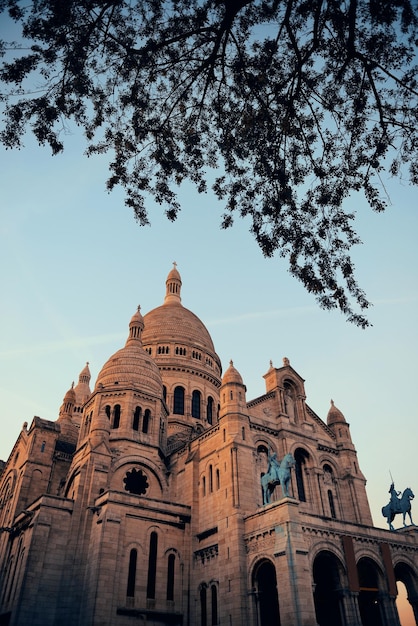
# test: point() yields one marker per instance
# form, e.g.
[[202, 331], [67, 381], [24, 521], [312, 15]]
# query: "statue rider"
[[274, 466], [394, 498]]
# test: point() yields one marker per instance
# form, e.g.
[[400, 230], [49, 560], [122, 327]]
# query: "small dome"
[[66, 408], [70, 395], [334, 415], [132, 366], [136, 325], [232, 375]]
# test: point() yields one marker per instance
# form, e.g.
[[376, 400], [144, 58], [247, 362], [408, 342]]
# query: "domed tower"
[[82, 393], [127, 402], [69, 430], [338, 424], [190, 368], [353, 483], [233, 392]]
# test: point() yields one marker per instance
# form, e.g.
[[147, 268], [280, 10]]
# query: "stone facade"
[[143, 502]]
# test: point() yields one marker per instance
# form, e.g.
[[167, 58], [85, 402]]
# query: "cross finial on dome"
[[175, 264]]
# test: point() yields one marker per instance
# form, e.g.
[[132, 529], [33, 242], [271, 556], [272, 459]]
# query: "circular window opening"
[[136, 482]]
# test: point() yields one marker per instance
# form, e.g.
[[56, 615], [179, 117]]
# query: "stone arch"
[[265, 593], [405, 574], [328, 576], [372, 585]]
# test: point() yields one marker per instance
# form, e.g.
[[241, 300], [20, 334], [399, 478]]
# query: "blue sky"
[[75, 265]]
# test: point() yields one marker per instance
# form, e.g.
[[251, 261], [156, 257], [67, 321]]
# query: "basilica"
[[162, 495]]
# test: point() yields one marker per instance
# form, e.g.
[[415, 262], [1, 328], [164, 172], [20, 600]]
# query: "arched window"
[[116, 416], [107, 411], [331, 504], [165, 393], [301, 456], [214, 604], [178, 407], [218, 479], [196, 395], [210, 479], [204, 485], [146, 421], [152, 565], [130, 588], [203, 607], [170, 576], [137, 417], [209, 410]]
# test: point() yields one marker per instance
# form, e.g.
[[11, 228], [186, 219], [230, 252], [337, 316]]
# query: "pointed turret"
[[82, 393], [69, 430]]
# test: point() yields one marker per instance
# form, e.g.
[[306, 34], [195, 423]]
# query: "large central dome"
[[190, 368]]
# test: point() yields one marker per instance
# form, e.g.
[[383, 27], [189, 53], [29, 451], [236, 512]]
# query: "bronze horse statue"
[[399, 505], [280, 473]]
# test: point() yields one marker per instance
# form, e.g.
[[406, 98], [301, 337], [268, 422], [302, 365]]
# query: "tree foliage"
[[291, 105]]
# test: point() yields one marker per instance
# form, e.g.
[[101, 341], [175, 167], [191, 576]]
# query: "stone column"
[[413, 601], [349, 607], [388, 610]]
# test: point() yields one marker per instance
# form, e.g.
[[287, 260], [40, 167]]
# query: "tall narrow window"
[[116, 416], [331, 504], [196, 404], [130, 588], [218, 479], [209, 410], [301, 457], [107, 411], [178, 408], [137, 416], [152, 565], [146, 420], [210, 479], [203, 607], [170, 577], [214, 605]]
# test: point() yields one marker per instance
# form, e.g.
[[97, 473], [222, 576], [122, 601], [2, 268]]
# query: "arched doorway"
[[327, 571], [368, 600], [266, 595]]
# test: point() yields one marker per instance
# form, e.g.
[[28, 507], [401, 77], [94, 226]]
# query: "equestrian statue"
[[277, 473], [397, 505]]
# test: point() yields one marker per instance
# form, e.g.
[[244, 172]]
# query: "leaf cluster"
[[298, 103]]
